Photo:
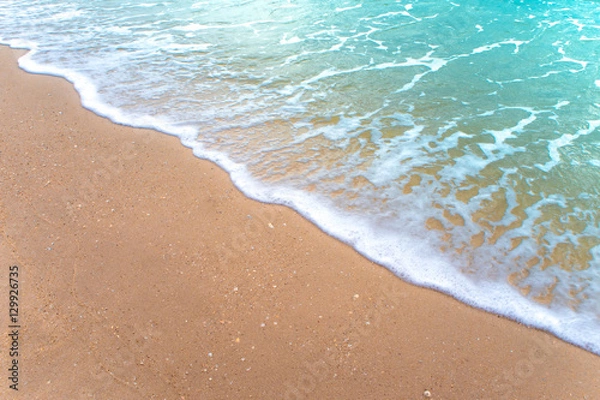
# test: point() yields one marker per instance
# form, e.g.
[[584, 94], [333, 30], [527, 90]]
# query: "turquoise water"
[[454, 142]]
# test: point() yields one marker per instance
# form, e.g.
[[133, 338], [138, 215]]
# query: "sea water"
[[454, 142]]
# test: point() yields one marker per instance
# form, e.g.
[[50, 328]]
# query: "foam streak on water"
[[454, 142]]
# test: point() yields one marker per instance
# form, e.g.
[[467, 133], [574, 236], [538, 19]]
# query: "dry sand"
[[144, 274]]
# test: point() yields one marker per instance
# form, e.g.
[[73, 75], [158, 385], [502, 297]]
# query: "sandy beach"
[[143, 273]]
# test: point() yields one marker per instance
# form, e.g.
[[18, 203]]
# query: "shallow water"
[[454, 142]]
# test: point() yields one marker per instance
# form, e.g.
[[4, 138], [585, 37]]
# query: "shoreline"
[[146, 274]]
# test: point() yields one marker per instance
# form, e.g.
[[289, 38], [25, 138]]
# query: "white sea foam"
[[292, 40], [563, 141], [342, 9]]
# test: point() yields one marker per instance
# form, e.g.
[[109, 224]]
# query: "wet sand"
[[145, 274]]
